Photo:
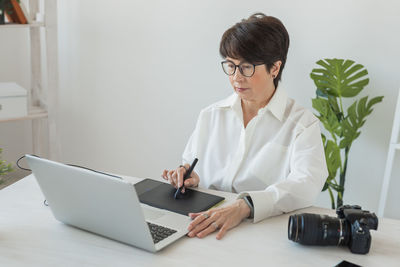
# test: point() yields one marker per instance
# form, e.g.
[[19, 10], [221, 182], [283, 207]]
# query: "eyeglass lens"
[[245, 69]]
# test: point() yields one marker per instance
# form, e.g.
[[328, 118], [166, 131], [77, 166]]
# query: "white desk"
[[30, 236]]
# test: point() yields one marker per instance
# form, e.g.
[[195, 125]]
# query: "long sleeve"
[[192, 146], [301, 187]]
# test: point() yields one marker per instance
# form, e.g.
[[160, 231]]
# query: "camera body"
[[361, 222], [351, 228]]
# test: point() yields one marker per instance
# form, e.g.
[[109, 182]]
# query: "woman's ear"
[[276, 68]]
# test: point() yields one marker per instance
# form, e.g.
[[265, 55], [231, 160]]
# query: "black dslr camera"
[[351, 228]]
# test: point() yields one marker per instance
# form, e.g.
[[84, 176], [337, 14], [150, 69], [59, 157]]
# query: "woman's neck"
[[250, 107]]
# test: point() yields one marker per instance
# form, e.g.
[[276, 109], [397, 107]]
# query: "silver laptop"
[[105, 205]]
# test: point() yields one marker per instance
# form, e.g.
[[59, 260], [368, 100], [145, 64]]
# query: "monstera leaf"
[[339, 78], [327, 116], [335, 79], [333, 161], [356, 118]]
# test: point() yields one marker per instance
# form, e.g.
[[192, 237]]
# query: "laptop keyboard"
[[159, 232]]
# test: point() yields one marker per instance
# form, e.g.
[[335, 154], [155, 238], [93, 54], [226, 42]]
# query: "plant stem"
[[343, 168], [343, 178], [334, 137], [332, 198], [342, 117], [341, 105]]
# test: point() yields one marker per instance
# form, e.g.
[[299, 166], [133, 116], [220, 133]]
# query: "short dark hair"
[[258, 39]]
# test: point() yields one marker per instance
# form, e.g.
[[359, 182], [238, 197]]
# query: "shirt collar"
[[276, 105]]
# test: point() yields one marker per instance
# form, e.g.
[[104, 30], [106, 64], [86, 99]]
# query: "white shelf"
[[15, 25], [33, 113], [393, 146], [44, 130]]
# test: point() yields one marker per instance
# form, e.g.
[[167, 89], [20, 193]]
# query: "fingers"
[[204, 224], [210, 221], [165, 174], [171, 175], [195, 215], [187, 166], [212, 227], [190, 182], [197, 218], [222, 231], [175, 177], [193, 180], [180, 172]]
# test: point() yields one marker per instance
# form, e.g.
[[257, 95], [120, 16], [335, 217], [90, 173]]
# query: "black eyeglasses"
[[246, 69]]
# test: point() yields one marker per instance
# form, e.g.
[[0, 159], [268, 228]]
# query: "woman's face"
[[259, 87]]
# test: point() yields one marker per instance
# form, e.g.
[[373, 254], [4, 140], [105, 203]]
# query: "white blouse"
[[278, 159]]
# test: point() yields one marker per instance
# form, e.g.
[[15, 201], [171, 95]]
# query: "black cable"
[[25, 169], [72, 165]]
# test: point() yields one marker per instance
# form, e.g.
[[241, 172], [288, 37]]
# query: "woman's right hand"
[[175, 177]]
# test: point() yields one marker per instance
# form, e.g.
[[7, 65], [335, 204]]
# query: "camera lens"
[[315, 229]]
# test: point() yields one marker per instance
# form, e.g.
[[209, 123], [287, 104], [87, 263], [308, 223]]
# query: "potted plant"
[[4, 167], [336, 79]]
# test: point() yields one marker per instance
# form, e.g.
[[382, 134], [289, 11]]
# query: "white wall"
[[15, 137], [135, 74]]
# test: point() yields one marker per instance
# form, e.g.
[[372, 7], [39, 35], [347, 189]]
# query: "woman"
[[257, 142]]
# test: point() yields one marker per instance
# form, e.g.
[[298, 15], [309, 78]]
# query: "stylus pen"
[[187, 175]]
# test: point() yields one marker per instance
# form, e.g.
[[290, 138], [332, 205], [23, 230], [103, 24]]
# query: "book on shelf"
[[25, 11], [15, 14]]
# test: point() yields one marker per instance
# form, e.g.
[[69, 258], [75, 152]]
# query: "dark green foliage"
[[335, 79], [4, 167]]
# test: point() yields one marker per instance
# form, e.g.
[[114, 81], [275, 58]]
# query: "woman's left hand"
[[205, 223]]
